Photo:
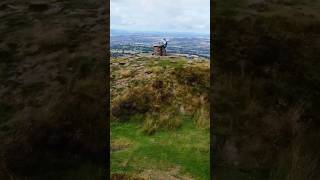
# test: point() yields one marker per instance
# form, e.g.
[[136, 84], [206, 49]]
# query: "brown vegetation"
[[52, 80], [264, 94], [166, 98]]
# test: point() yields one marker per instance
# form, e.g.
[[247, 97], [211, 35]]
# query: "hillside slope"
[[160, 115], [265, 91], [52, 78]]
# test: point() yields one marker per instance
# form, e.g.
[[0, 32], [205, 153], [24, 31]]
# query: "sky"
[[160, 15]]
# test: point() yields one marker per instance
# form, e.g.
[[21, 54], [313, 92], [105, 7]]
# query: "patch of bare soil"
[[120, 176], [170, 174], [120, 144], [153, 174]]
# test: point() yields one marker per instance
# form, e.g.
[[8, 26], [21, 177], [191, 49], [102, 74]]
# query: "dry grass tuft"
[[164, 119], [120, 143], [133, 101], [202, 118]]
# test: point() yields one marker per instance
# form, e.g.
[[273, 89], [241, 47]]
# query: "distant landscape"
[[141, 42]]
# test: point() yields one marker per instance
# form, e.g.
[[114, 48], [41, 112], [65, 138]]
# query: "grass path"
[[185, 149]]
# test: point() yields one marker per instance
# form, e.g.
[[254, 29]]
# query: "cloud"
[[162, 15]]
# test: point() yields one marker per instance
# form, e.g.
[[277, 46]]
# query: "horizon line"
[[159, 31]]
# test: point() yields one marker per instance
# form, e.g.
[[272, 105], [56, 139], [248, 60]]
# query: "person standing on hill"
[[165, 43]]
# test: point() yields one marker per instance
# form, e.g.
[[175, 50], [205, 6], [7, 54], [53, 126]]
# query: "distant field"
[[183, 43]]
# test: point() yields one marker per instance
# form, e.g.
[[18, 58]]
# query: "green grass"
[[167, 63], [186, 148]]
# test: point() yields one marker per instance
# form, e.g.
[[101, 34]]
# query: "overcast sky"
[[161, 15]]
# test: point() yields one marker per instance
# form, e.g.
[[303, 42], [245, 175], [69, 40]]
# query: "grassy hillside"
[[52, 64], [265, 90], [160, 116]]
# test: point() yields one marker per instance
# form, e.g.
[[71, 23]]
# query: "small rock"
[[148, 72]]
